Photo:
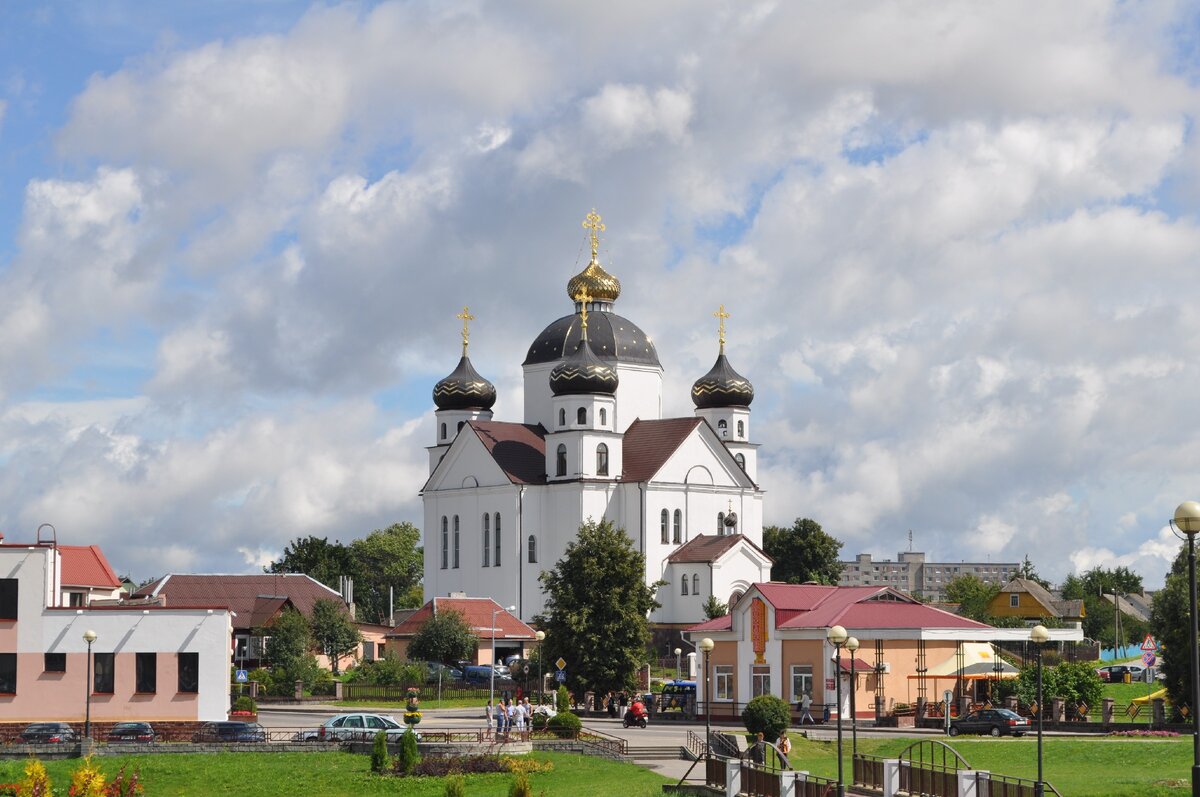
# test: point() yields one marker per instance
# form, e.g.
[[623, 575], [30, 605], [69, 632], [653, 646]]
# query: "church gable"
[[466, 464], [701, 458]]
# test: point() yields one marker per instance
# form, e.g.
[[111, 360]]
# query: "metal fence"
[[451, 690], [1005, 786], [868, 771], [815, 786]]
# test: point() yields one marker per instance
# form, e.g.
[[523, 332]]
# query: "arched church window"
[[560, 461], [695, 583], [603, 416], [741, 429], [562, 417], [443, 431], [487, 539], [683, 585], [665, 532], [496, 551], [581, 416], [734, 597], [720, 524], [456, 542], [741, 460], [678, 538], [721, 424], [602, 460], [445, 542], [532, 549]]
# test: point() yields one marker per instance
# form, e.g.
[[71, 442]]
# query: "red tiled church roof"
[[710, 548], [519, 449], [649, 444]]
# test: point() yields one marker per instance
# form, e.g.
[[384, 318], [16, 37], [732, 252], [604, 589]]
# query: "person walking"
[[806, 709], [487, 712]]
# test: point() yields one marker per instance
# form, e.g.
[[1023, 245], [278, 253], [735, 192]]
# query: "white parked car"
[[355, 728]]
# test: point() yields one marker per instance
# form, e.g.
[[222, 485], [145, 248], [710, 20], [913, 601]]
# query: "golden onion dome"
[[599, 284]]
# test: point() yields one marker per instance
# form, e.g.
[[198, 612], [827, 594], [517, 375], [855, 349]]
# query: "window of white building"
[[723, 682]]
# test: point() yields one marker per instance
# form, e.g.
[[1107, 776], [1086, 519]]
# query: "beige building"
[[912, 574]]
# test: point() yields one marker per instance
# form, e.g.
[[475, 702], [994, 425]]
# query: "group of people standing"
[[509, 715]]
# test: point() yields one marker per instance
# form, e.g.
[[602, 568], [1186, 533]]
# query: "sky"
[[956, 241]]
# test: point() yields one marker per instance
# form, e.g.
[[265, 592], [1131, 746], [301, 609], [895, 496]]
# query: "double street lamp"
[[838, 636], [706, 646], [1038, 635], [539, 636], [1187, 523], [89, 636], [492, 680]]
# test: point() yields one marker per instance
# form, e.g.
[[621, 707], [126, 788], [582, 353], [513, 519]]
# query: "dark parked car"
[[995, 721], [131, 732], [47, 733], [230, 732]]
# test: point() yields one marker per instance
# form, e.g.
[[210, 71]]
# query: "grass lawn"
[[344, 775], [1099, 767]]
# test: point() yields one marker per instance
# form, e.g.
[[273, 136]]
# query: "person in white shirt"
[[487, 712]]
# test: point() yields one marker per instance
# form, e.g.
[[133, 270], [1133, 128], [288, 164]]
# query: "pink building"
[[149, 661]]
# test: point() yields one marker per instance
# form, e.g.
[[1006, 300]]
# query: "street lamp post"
[[678, 672], [539, 636], [492, 679], [706, 646], [1038, 635], [838, 636], [852, 646], [1187, 522], [89, 636]]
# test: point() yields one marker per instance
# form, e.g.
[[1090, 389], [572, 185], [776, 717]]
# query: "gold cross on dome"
[[466, 317], [722, 315], [583, 297], [594, 223]]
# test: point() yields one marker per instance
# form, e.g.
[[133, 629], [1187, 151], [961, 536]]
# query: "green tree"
[[1074, 682], [597, 602], [289, 651], [972, 596], [1028, 571], [1170, 622], [714, 608], [768, 715], [445, 637], [1100, 612], [802, 553], [333, 631], [387, 559]]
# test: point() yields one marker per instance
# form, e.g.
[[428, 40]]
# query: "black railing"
[[815, 786], [1006, 786], [453, 691], [928, 780], [868, 771], [714, 772]]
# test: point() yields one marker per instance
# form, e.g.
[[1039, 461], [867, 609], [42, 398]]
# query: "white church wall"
[[639, 395]]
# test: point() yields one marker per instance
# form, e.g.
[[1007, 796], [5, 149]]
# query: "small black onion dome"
[[722, 387], [464, 389], [583, 372]]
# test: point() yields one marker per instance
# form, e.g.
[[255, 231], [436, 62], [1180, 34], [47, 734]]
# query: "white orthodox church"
[[504, 499]]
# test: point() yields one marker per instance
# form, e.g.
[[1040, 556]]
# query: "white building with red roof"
[[150, 661], [774, 641], [500, 633], [505, 499]]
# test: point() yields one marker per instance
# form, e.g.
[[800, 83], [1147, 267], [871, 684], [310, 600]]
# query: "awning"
[[979, 663], [859, 665]]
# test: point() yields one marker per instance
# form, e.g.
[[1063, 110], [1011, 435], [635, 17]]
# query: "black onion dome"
[[583, 372], [722, 387], [464, 389], [613, 338]]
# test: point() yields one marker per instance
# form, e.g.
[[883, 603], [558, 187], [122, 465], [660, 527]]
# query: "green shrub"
[[520, 786], [566, 725], [244, 703], [456, 786], [380, 760], [768, 715], [409, 755], [562, 700]]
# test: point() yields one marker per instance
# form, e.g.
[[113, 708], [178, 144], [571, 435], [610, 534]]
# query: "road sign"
[[1149, 659], [1148, 643], [241, 676], [561, 663], [561, 676]]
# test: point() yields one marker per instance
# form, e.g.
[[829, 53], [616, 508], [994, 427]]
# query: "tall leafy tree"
[[385, 558], [802, 553], [972, 596], [714, 607], [445, 637], [597, 602], [333, 631], [1028, 571], [1100, 612]]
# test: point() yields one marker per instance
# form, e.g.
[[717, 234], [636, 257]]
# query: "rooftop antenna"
[[910, 540]]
